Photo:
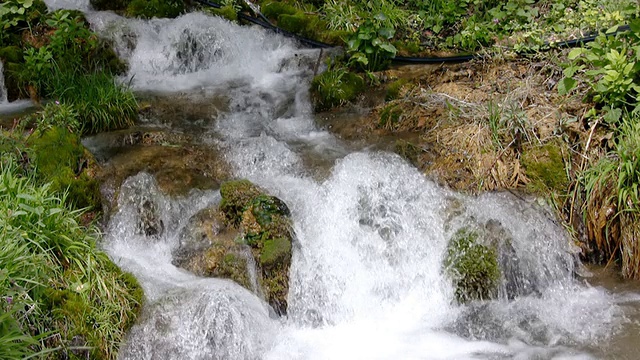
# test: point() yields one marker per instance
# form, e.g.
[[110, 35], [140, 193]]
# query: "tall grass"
[[55, 285], [101, 103], [612, 206]]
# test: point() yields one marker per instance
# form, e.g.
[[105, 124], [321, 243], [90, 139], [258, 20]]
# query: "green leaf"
[[566, 85], [573, 54], [386, 32]]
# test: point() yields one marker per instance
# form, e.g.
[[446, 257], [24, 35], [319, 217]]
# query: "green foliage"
[[228, 12], [336, 86], [38, 64], [472, 267], [53, 280], [101, 103], [148, 9], [611, 67], [369, 48], [72, 41], [620, 168]]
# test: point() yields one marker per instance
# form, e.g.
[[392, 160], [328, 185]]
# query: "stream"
[[366, 278]]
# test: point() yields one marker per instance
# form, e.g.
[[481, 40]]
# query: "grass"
[[100, 102], [55, 285], [612, 188]]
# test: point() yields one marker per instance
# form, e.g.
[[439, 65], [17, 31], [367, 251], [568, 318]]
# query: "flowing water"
[[366, 279], [3, 88]]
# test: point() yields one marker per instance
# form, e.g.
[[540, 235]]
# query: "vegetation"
[[472, 266], [60, 295]]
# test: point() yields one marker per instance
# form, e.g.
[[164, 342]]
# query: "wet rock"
[[149, 223], [264, 224]]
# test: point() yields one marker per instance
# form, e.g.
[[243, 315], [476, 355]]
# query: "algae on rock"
[[473, 267]]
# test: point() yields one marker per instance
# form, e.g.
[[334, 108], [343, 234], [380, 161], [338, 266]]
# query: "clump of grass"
[[100, 102], [612, 210], [336, 87], [58, 292]]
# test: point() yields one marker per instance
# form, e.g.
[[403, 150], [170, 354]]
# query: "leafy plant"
[[71, 41], [611, 66], [369, 48], [38, 64]]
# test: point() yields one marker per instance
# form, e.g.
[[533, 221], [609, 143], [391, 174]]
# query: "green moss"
[[58, 158], [148, 9], [273, 9], [407, 47], [472, 267], [297, 23], [227, 12], [234, 267], [275, 251], [236, 195], [335, 87], [11, 54], [544, 165], [393, 89]]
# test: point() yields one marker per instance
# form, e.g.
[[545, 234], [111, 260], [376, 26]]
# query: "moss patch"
[[227, 12], [472, 267], [393, 89], [544, 165], [275, 251], [390, 116], [60, 159]]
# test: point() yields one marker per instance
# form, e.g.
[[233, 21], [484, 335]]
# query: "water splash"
[[82, 5]]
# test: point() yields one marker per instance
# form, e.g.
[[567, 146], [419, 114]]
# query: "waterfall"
[[3, 88], [366, 279]]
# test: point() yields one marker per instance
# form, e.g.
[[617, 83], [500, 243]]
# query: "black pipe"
[[412, 60]]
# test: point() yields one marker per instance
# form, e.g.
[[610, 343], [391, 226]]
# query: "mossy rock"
[[472, 267], [266, 227], [297, 23], [148, 9], [544, 165], [60, 159], [393, 89], [236, 195], [335, 87]]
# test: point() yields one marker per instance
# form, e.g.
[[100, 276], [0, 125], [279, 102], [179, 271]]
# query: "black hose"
[[264, 22]]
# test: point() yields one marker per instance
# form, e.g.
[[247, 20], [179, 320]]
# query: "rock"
[[265, 227]]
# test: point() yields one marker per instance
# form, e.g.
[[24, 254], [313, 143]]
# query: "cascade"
[[366, 279]]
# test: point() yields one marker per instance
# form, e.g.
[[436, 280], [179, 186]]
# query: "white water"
[[3, 88], [366, 279]]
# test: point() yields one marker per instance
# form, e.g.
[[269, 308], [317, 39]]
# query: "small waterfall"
[[366, 279], [82, 5], [3, 89]]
